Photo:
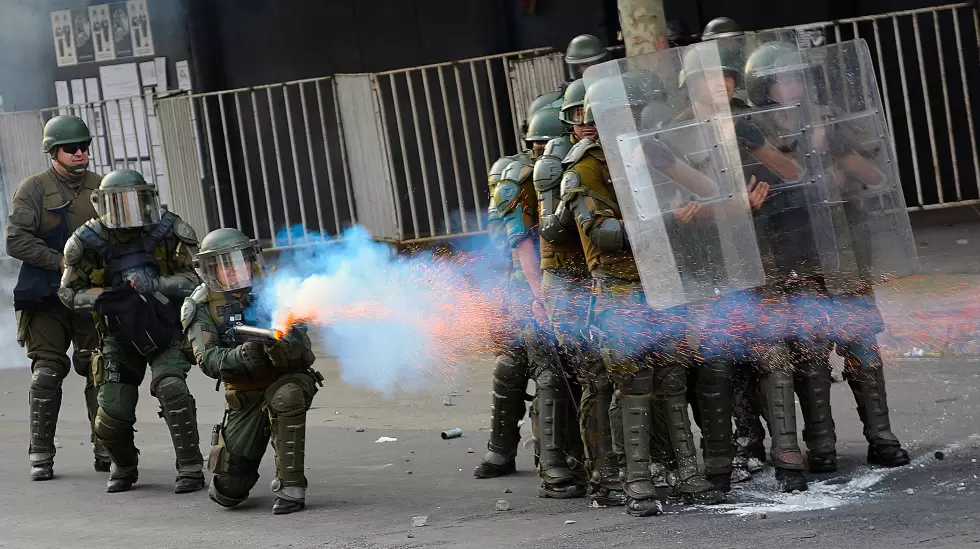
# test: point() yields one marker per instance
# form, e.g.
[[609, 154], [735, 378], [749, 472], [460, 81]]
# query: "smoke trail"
[[392, 321], [14, 356]]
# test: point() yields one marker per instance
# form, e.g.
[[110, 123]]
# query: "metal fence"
[[444, 124], [928, 67]]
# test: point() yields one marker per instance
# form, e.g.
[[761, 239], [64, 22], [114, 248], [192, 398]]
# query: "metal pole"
[[966, 91], [245, 161], [884, 86], [231, 165], [479, 113], [327, 157], [265, 172], [496, 111], [309, 153], [908, 111], [404, 154], [292, 145], [436, 151], [148, 137], [510, 98], [469, 149], [343, 154], [282, 177], [422, 162], [379, 104], [928, 108], [949, 114], [452, 153], [122, 134], [214, 167]]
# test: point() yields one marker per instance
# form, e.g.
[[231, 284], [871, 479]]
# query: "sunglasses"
[[73, 148]]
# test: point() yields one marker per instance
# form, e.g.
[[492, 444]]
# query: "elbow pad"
[[609, 235]]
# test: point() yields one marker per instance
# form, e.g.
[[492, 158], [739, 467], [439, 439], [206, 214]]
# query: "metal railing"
[[927, 86], [445, 123]]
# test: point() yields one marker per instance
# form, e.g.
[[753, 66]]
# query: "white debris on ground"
[[758, 496]]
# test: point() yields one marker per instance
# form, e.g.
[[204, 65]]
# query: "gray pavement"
[[364, 493]]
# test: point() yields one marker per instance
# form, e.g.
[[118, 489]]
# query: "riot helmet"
[[63, 130], [623, 95], [574, 98], [550, 99], [721, 27], [124, 200], [228, 261], [771, 65], [584, 51], [678, 33], [544, 126]]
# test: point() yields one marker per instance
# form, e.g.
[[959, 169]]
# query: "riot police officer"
[[584, 51], [134, 267], [553, 411], [47, 207], [642, 348], [855, 340], [566, 287], [269, 385], [721, 27]]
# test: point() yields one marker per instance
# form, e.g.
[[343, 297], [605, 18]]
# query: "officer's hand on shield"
[[684, 214], [758, 190]]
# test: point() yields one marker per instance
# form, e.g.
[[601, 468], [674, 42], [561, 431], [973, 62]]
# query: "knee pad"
[[548, 379], [46, 378], [509, 373], [110, 429], [230, 490], [641, 383], [286, 398], [171, 388], [673, 380]]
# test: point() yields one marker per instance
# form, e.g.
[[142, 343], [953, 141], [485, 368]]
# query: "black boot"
[[868, 387], [779, 408], [714, 399], [812, 384], [44, 407], [285, 506], [557, 480], [687, 479], [507, 410], [641, 495]]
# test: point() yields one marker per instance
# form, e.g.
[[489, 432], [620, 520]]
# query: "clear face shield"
[[227, 271], [128, 208]]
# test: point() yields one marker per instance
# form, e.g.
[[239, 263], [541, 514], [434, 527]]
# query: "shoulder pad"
[[504, 196], [558, 146], [73, 249], [571, 182], [547, 172], [97, 226], [189, 309], [577, 151], [185, 232]]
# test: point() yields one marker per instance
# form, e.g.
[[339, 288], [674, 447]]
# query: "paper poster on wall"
[[84, 49], [77, 92], [161, 70], [121, 39], [61, 93], [183, 75], [127, 127], [101, 32], [64, 43], [139, 26]]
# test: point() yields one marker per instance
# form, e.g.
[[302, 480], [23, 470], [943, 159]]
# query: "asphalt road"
[[364, 493]]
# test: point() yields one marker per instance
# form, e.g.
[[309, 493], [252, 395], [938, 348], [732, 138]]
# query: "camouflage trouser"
[[642, 349], [47, 331], [118, 371], [567, 300], [251, 418]]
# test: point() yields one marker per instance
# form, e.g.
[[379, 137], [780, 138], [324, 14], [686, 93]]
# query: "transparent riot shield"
[[854, 153], [670, 158], [802, 239]]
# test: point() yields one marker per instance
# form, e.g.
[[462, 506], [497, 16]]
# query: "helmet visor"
[[128, 208], [232, 270]]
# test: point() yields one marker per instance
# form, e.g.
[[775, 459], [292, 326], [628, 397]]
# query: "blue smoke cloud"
[[393, 321]]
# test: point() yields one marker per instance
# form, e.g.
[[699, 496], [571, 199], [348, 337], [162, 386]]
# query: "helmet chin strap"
[[74, 172]]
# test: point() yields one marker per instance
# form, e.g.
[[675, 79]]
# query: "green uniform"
[[263, 399], [641, 348], [135, 279], [567, 288], [511, 367], [47, 207]]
